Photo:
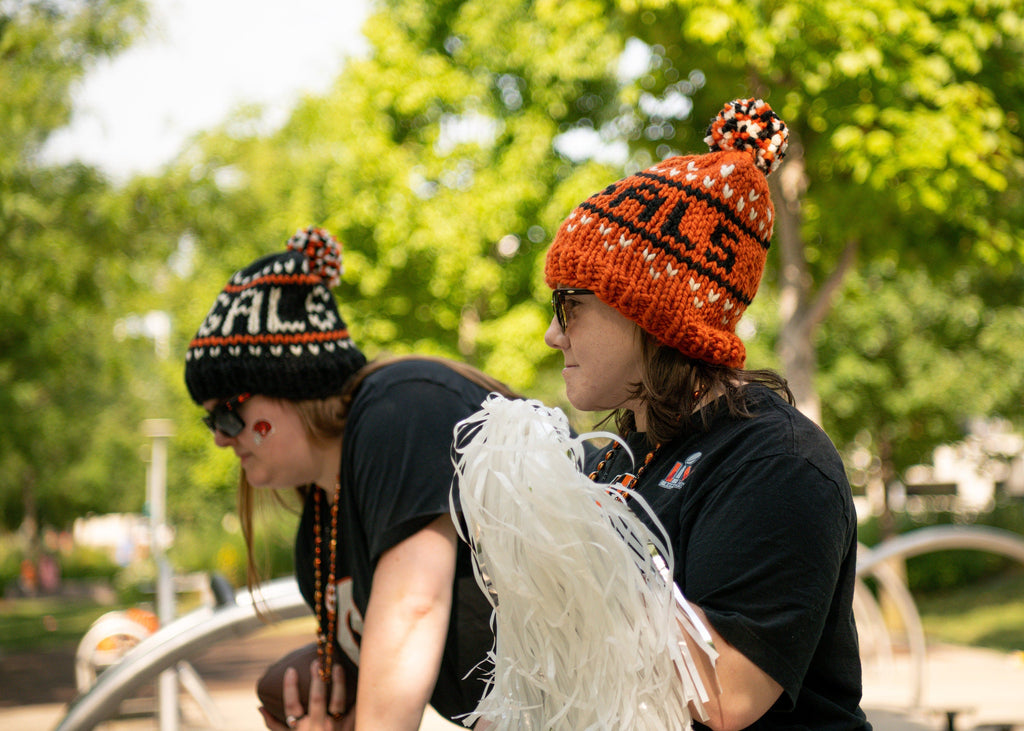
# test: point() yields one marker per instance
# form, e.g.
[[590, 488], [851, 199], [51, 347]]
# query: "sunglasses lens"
[[224, 420], [557, 304], [230, 423]]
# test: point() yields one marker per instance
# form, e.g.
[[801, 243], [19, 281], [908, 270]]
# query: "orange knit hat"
[[680, 248]]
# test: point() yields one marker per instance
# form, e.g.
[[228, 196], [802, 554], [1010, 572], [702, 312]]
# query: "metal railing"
[[876, 563], [177, 641]]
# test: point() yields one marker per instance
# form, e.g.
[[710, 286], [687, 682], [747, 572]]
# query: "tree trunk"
[[30, 523], [799, 364], [887, 470], [801, 307], [795, 349]]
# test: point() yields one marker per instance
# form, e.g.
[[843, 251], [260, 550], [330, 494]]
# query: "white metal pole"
[[160, 430]]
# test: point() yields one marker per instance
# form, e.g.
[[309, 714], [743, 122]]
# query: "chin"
[[589, 404], [267, 485], [582, 404], [256, 480]]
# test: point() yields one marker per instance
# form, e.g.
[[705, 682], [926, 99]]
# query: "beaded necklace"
[[325, 639], [627, 480]]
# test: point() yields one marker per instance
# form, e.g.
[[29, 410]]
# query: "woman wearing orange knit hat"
[[650, 277]]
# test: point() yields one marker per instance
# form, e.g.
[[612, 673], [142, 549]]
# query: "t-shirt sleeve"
[[398, 459], [763, 561]]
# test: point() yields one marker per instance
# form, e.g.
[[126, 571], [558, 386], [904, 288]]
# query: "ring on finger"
[[293, 721]]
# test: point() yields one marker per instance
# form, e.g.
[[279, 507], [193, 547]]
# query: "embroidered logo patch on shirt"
[[676, 476]]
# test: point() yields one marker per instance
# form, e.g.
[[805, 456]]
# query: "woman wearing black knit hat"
[[368, 447]]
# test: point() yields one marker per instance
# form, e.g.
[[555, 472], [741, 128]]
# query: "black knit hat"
[[275, 328]]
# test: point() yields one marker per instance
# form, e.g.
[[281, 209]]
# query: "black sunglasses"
[[558, 302], [224, 418]]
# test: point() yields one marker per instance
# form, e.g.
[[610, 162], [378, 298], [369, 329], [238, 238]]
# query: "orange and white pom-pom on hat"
[[679, 248]]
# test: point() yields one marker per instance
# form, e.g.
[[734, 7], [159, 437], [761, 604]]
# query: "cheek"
[[629, 353], [605, 377], [616, 370], [620, 376]]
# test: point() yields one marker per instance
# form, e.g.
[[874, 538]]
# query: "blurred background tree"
[[64, 278], [905, 155], [445, 159]]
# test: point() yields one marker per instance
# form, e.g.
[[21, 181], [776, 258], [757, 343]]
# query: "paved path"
[[35, 689], [984, 688]]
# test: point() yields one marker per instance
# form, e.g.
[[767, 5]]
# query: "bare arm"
[[405, 628], [744, 691]]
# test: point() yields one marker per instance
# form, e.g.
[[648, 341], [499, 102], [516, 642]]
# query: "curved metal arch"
[[179, 640], [872, 562], [942, 538], [904, 603]]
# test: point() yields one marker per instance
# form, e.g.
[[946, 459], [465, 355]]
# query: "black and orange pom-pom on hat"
[[679, 248], [275, 328]]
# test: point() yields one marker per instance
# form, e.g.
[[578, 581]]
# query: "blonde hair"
[[324, 420]]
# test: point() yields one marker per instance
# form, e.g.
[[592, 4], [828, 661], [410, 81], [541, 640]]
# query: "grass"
[[46, 623], [985, 614]]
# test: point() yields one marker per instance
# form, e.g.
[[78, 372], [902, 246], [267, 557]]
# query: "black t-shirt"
[[396, 474], [760, 518]]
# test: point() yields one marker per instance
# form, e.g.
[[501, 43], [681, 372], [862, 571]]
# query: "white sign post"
[[160, 430]]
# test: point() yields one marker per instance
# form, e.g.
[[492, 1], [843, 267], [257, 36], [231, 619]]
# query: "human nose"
[[555, 337]]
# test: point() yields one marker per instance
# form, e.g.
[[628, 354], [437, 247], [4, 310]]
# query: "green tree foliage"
[[941, 351], [906, 132], [45, 47], [61, 250], [442, 160]]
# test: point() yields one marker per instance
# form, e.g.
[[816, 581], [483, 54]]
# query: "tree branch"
[[822, 301]]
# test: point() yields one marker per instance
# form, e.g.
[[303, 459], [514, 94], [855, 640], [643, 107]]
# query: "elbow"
[[735, 712], [725, 721], [422, 609]]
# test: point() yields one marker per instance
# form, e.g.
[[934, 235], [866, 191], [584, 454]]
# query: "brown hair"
[[673, 386], [324, 419]]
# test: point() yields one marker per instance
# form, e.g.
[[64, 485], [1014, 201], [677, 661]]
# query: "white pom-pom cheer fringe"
[[588, 633]]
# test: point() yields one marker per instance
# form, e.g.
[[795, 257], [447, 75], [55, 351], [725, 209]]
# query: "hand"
[[321, 714]]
